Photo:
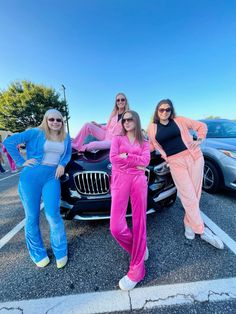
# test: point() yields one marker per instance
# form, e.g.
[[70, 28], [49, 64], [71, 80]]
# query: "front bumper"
[[228, 167], [97, 208]]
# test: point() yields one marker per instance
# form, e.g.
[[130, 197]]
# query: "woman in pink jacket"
[[171, 137], [10, 160], [103, 133], [129, 155]]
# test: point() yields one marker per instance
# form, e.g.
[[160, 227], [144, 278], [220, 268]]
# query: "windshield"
[[221, 129]]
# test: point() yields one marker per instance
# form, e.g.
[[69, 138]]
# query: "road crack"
[[12, 309], [53, 307], [190, 298], [130, 301]]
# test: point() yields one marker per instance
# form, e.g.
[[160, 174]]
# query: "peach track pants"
[[94, 130], [187, 174], [132, 240]]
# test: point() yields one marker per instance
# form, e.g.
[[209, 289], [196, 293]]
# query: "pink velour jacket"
[[113, 127], [185, 125], [138, 155]]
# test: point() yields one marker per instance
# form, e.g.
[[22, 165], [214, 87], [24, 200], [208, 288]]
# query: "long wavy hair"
[[44, 125], [162, 102], [138, 129], [115, 109]]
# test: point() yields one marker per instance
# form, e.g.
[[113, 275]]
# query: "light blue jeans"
[[36, 182]]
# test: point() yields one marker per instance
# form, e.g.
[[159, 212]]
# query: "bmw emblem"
[[109, 166]]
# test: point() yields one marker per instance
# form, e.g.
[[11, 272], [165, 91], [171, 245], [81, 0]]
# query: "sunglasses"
[[53, 119], [127, 120], [120, 99], [164, 109]]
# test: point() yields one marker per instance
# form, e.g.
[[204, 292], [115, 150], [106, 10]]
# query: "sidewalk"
[[137, 299]]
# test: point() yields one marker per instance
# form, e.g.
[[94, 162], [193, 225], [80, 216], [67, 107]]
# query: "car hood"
[[225, 143]]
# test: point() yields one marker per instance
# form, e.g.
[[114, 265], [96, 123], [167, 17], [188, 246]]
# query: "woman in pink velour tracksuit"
[[103, 133], [10, 160], [129, 155], [170, 135]]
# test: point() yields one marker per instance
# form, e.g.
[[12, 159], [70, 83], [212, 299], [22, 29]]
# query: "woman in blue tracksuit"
[[48, 150]]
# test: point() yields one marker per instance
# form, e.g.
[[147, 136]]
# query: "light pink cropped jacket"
[[113, 127], [185, 125]]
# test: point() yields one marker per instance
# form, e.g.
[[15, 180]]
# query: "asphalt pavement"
[[96, 262]]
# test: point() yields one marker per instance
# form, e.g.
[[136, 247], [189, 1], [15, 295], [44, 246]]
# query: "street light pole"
[[66, 108]]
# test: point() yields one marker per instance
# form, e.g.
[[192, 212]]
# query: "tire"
[[211, 178], [166, 203], [170, 201]]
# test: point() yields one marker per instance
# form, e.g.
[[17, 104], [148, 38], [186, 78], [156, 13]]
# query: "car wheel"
[[211, 178], [166, 203], [170, 201]]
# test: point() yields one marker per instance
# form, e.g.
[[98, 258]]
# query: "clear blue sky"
[[184, 50]]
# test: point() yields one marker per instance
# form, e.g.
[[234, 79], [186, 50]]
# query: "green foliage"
[[24, 103], [213, 117], [216, 117]]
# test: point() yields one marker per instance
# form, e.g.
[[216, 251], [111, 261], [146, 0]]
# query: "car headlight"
[[109, 166], [229, 153], [65, 177]]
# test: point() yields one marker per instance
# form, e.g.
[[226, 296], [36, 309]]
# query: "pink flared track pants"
[[132, 240], [187, 174], [94, 130]]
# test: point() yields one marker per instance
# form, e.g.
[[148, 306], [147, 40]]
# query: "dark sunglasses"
[[52, 120], [163, 109], [120, 99], [127, 120]]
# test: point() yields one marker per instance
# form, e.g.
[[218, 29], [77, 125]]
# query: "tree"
[[216, 117], [212, 117], [24, 103]]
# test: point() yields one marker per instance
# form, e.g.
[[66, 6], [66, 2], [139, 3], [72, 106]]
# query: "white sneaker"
[[212, 239], [43, 263], [189, 233], [146, 255], [127, 284], [62, 262]]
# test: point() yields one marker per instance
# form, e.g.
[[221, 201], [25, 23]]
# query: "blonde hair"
[[45, 128], [115, 109]]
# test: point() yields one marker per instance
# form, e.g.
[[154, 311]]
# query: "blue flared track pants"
[[35, 183]]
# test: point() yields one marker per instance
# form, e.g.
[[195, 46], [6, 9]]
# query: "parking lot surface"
[[96, 262]]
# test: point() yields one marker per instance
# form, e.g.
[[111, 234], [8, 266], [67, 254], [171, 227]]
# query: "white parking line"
[[137, 299], [15, 174], [11, 234], [14, 231], [221, 234]]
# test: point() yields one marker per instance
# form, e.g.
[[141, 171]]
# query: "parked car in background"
[[219, 150], [85, 187]]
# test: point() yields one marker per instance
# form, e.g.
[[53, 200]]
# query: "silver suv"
[[219, 150]]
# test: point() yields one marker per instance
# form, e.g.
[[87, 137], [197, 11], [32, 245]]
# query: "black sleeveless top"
[[170, 138]]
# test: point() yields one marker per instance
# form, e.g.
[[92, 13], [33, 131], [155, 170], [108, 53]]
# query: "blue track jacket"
[[34, 140]]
